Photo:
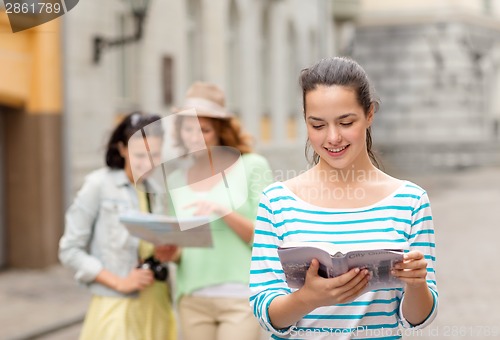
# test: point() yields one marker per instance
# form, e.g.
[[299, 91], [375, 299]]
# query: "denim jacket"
[[94, 239]]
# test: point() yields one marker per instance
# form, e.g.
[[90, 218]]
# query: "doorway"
[[3, 243]]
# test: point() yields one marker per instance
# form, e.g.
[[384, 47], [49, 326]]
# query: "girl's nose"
[[334, 135], [196, 136]]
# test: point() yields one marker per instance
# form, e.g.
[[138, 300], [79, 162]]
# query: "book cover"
[[334, 260]]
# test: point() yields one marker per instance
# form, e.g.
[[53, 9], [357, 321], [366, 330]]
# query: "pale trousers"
[[217, 319]]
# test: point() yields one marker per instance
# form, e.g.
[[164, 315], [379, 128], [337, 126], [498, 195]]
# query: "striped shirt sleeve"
[[422, 239], [267, 279]]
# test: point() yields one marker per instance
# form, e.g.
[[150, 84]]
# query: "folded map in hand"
[[161, 229]]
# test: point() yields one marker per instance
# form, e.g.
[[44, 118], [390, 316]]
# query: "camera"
[[160, 271]]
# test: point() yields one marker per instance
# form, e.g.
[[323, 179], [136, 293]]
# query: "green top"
[[229, 259]]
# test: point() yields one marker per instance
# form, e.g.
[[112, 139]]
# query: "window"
[[233, 88], [127, 75], [265, 88], [195, 41]]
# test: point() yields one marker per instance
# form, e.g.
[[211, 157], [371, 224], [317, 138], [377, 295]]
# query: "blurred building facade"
[[253, 49], [435, 65], [31, 203], [436, 68]]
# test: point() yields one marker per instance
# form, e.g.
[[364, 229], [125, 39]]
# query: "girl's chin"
[[335, 165]]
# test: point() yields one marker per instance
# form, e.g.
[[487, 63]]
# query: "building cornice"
[[407, 18]]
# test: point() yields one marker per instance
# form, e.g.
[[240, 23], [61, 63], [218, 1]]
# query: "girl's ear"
[[122, 149], [370, 115]]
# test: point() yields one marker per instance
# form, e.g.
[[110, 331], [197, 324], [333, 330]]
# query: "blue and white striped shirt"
[[401, 220]]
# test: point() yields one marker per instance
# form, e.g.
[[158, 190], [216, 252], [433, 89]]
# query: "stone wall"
[[434, 81]]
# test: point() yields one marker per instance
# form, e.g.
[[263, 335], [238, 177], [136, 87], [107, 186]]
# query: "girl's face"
[[336, 126], [194, 139], [138, 158]]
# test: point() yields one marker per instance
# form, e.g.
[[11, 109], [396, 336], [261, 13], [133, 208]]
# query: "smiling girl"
[[128, 302], [343, 198], [222, 180]]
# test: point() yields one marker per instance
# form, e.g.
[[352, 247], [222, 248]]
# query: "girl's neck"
[[361, 171], [203, 162], [129, 174]]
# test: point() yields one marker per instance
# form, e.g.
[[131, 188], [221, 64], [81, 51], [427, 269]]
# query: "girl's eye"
[[317, 127], [346, 124]]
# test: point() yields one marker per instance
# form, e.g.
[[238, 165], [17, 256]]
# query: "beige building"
[[254, 49], [31, 202], [436, 65]]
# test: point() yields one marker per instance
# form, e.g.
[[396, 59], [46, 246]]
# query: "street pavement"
[[48, 305], [466, 209], [38, 302]]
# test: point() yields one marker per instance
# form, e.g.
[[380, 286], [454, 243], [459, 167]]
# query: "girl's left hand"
[[204, 208], [413, 269]]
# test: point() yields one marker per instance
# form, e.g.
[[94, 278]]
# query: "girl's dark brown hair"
[[228, 130], [341, 71], [132, 123]]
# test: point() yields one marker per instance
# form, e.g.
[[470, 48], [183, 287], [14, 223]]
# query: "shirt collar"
[[119, 177]]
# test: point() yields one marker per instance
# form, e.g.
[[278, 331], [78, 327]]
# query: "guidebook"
[[161, 229], [337, 259]]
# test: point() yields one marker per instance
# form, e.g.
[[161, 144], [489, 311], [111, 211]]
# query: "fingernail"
[[356, 270]]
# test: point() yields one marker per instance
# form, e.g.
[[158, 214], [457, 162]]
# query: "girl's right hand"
[[137, 279], [318, 291]]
